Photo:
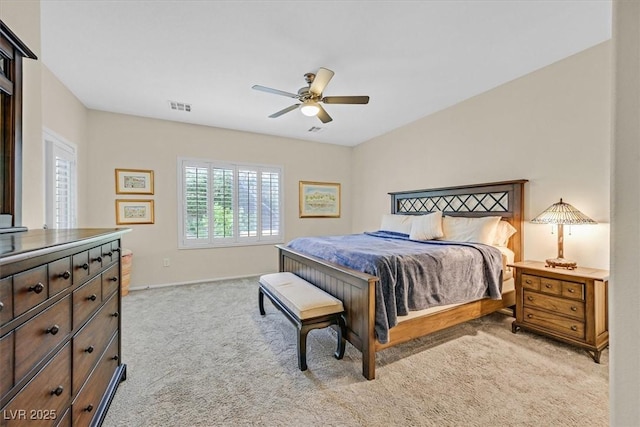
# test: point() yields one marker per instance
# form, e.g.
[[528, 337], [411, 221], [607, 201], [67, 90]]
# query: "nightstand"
[[567, 305]]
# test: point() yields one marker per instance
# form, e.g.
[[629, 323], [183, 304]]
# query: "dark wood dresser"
[[60, 360]]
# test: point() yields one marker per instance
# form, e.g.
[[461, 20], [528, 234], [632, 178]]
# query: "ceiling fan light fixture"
[[310, 108]]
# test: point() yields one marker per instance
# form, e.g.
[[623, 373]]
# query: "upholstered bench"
[[306, 306]]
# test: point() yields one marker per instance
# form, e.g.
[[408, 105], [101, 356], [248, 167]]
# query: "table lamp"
[[562, 213]]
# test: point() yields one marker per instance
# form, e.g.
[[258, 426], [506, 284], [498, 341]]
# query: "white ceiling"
[[411, 57]]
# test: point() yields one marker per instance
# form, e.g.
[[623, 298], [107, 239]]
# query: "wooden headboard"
[[505, 199]]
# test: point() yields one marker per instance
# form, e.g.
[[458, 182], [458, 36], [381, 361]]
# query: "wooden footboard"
[[356, 290]]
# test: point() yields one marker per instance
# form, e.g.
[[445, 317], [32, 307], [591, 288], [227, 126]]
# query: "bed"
[[357, 290]]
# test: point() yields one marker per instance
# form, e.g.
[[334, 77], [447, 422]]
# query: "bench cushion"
[[301, 297]]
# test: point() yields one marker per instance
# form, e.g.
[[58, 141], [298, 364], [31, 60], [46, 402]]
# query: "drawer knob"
[[113, 279], [89, 408], [89, 349], [574, 328], [84, 266], [571, 290], [117, 250], [53, 330], [57, 391], [528, 281], [98, 259], [108, 254], [116, 314], [93, 297], [574, 308], [530, 316], [530, 298], [116, 358], [1, 305], [547, 285], [65, 275], [37, 288]]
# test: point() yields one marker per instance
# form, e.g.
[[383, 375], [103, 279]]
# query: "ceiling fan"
[[310, 97]]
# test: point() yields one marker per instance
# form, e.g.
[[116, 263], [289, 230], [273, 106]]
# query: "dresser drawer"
[[91, 341], [45, 397], [108, 256], [559, 324], [86, 299], [95, 260], [110, 280], [558, 305], [80, 265], [6, 300], [530, 282], [85, 405], [40, 335], [573, 290], [6, 363], [59, 275], [550, 286], [29, 289]]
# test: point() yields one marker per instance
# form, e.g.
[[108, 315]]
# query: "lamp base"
[[561, 263]]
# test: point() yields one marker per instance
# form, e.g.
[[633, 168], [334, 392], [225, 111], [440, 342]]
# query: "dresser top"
[[26, 244], [584, 272]]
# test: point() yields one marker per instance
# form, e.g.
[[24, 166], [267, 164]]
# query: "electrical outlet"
[[166, 262]]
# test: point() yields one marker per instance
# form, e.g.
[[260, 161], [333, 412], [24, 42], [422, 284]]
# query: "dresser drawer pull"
[[113, 279], [117, 250], [89, 408], [530, 316], [530, 298], [93, 297], [528, 281], [574, 328], [547, 285], [1, 305], [65, 275], [98, 259], [58, 391], [53, 330], [116, 314], [89, 349], [116, 358], [37, 288], [574, 308], [571, 290], [84, 266], [108, 254]]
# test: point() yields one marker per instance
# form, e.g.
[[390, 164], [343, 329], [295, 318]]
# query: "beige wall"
[[551, 127], [121, 141]]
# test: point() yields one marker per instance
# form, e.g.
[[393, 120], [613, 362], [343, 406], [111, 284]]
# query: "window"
[[226, 204], [61, 182]]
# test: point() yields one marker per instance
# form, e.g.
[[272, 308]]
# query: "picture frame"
[[319, 199], [134, 181], [130, 211]]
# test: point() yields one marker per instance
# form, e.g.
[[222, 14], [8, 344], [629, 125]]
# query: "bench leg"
[[342, 331], [261, 301], [302, 347]]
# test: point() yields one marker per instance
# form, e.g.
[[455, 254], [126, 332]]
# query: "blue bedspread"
[[414, 275]]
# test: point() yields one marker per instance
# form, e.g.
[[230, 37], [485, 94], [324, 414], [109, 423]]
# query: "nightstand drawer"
[[573, 290], [558, 305], [550, 286], [552, 322], [530, 282]]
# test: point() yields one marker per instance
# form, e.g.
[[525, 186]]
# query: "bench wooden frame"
[[305, 325]]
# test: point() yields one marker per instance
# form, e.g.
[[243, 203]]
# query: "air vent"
[[314, 129], [180, 106]]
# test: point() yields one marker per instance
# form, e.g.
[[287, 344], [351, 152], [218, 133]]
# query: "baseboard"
[[192, 282]]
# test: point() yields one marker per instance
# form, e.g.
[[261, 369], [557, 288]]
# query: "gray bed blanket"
[[414, 275]]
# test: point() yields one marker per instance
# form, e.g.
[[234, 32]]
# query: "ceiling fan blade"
[[345, 99], [321, 81], [323, 116], [286, 110], [275, 91]]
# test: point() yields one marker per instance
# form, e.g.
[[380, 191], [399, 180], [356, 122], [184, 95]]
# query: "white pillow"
[[462, 229], [504, 230], [396, 223], [427, 227]]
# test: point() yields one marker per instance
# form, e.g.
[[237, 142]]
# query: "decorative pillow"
[[396, 223], [427, 227], [504, 230], [462, 229]]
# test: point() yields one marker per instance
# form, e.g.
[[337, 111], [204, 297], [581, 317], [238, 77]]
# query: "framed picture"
[[319, 200], [134, 211], [134, 181]]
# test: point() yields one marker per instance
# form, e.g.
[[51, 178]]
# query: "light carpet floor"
[[201, 355]]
